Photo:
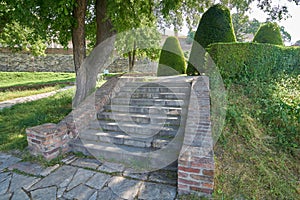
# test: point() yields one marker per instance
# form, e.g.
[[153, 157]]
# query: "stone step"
[[158, 89], [141, 159], [139, 118], [162, 110], [135, 129], [169, 84], [148, 102], [152, 95], [120, 138]]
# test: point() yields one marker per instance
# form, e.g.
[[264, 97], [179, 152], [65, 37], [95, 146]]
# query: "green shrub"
[[268, 33], [171, 61], [253, 60], [215, 26]]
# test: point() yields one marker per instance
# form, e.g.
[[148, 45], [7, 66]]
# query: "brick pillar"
[[47, 140], [196, 161]]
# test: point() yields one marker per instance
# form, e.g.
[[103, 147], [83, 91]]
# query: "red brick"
[[202, 165], [203, 190], [202, 178], [182, 174], [188, 182], [208, 172], [181, 186], [208, 185], [187, 169]]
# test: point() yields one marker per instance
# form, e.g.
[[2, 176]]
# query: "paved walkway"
[[9, 103], [83, 179]]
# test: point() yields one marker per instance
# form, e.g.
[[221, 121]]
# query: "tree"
[[268, 33], [57, 20], [215, 26], [244, 26], [171, 61]]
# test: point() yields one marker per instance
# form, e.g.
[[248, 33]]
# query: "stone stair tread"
[[138, 115], [148, 102], [126, 124]]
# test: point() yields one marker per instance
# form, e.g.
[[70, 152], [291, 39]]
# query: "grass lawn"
[[15, 120], [18, 79]]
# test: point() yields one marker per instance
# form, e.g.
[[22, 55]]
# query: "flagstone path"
[[81, 178]]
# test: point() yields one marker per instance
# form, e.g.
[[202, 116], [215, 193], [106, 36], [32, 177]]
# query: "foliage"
[[243, 26], [15, 120], [11, 79], [268, 33], [18, 38], [171, 61], [257, 154], [286, 37], [215, 26], [253, 60]]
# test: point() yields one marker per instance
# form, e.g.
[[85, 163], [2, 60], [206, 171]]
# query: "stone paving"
[[10, 103], [83, 179]]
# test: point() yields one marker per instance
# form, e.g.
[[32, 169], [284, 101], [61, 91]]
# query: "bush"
[[171, 61], [253, 60], [215, 26], [268, 33]]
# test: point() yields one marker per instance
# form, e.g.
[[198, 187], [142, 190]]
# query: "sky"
[[292, 24]]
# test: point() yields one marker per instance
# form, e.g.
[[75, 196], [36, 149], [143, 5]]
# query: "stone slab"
[[20, 194], [81, 192], [110, 167], [153, 191], [7, 161], [166, 177], [87, 163], [63, 175], [98, 181], [124, 188], [81, 176], [45, 193], [108, 194], [19, 181]]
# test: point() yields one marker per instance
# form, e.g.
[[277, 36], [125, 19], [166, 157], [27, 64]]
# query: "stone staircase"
[[142, 126]]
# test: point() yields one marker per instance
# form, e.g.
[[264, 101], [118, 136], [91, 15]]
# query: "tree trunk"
[[78, 34], [104, 26], [87, 74]]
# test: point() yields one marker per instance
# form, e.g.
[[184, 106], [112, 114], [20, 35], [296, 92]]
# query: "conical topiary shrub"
[[268, 33], [215, 26], [171, 61]]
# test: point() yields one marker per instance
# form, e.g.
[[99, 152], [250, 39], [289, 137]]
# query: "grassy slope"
[[258, 154], [9, 79], [15, 120]]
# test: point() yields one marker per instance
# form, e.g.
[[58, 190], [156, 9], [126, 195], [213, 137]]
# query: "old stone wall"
[[60, 60], [56, 60]]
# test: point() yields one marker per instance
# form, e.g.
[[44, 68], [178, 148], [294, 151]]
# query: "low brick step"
[[152, 95], [135, 129], [139, 118], [133, 157], [143, 109], [121, 138], [148, 102], [158, 88]]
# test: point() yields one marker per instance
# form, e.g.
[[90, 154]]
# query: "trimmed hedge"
[[253, 60], [171, 61], [268, 33], [215, 26]]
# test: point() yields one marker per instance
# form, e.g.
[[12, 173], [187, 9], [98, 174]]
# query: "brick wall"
[[196, 161]]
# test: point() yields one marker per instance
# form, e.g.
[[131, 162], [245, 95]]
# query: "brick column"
[[196, 161]]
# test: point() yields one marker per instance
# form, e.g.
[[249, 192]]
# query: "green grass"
[[14, 120], [13, 79], [8, 95], [258, 153]]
